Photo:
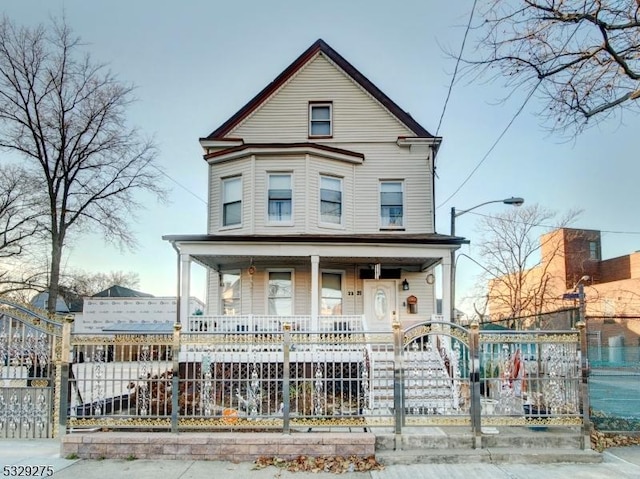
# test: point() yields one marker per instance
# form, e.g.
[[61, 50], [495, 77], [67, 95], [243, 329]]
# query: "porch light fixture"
[[405, 285]]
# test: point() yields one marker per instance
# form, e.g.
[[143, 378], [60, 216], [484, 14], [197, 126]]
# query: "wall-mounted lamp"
[[405, 285]]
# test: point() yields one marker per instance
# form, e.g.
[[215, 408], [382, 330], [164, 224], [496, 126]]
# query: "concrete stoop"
[[499, 455]]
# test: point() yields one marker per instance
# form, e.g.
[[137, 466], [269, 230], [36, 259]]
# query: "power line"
[[541, 225], [455, 71], [504, 131], [180, 184], [495, 143]]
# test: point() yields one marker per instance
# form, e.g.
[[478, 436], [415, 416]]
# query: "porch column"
[[185, 288], [315, 281], [447, 284]]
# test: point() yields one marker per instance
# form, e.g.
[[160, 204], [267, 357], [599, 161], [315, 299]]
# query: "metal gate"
[[457, 376], [437, 389], [30, 349]]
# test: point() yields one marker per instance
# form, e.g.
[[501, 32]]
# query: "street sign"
[[571, 296]]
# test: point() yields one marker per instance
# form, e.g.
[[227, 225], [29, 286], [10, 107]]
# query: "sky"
[[195, 63]]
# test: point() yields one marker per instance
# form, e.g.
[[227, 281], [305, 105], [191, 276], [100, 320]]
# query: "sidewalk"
[[621, 463]]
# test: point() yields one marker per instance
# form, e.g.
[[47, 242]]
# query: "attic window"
[[320, 120]]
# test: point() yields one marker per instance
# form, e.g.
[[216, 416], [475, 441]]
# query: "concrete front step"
[[537, 439], [499, 455]]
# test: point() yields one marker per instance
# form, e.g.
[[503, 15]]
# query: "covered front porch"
[[315, 282]]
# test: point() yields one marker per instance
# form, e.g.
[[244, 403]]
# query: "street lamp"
[[514, 201]]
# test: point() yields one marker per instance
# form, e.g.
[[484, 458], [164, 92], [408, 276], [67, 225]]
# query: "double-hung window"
[[320, 120], [279, 209], [232, 201], [391, 204], [330, 200], [280, 293]]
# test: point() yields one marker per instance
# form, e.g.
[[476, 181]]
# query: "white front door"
[[380, 303]]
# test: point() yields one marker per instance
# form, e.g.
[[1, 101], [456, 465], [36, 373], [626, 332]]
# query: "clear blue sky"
[[197, 62]]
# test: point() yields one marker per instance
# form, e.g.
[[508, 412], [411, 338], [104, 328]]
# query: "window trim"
[[268, 220], [224, 182], [326, 224], [314, 104], [403, 225], [293, 287]]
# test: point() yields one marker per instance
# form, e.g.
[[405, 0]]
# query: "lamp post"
[[514, 201]]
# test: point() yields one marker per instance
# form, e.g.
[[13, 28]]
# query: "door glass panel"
[[381, 304]]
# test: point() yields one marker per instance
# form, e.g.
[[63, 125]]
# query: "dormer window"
[[320, 120]]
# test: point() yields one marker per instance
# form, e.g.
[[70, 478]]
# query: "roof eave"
[[318, 46]]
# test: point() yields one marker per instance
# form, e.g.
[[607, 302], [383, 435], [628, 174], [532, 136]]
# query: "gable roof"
[[319, 46]]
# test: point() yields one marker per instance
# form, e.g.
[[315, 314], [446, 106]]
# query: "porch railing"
[[265, 323]]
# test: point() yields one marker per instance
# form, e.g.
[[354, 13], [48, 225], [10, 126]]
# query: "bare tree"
[[583, 55], [65, 117], [19, 225], [82, 283], [19, 214], [20, 280], [519, 265]]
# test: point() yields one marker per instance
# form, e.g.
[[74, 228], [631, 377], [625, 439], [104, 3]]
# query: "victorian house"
[[321, 208]]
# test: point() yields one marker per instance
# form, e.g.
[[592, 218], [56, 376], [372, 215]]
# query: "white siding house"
[[320, 204]]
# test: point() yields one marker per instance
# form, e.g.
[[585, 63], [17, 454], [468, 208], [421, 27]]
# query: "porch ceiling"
[[237, 262], [409, 251]]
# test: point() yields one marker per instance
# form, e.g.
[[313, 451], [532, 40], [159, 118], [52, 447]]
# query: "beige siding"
[[425, 294], [352, 291], [361, 198], [302, 289], [356, 115], [361, 125], [213, 292], [217, 174], [387, 161]]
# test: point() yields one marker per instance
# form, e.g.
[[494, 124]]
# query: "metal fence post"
[[584, 383], [175, 377], [474, 383], [398, 378], [286, 404], [62, 379]]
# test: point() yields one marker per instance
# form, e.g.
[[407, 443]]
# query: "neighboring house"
[[321, 205], [611, 286], [40, 301]]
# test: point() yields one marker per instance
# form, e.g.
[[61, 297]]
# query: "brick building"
[[611, 286]]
